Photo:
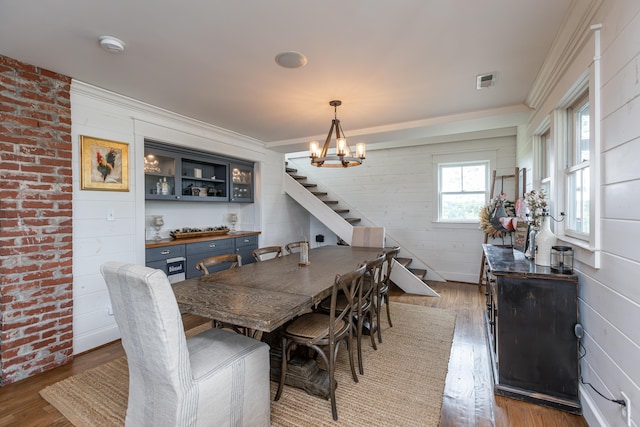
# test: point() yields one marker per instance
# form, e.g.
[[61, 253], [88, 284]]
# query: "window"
[[545, 159], [462, 190], [577, 168]]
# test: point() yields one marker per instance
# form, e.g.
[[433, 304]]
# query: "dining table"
[[263, 296]]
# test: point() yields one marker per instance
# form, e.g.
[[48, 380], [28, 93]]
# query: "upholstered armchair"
[[216, 378]]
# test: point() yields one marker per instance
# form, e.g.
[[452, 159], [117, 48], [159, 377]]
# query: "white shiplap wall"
[[610, 295], [106, 115], [395, 188]]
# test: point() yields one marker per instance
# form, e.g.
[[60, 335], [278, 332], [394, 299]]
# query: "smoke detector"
[[484, 81], [111, 44]]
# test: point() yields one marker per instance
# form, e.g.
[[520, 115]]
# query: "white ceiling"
[[394, 64]]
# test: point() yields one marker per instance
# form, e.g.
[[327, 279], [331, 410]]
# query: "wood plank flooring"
[[468, 397]]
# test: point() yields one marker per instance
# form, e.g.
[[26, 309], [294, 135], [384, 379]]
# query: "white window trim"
[[539, 176], [459, 157], [587, 249]]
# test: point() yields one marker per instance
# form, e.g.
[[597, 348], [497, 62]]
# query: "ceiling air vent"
[[485, 80]]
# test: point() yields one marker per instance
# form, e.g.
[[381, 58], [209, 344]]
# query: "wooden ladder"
[[516, 177]]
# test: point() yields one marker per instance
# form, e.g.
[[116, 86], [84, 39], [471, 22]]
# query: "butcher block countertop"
[[169, 242]]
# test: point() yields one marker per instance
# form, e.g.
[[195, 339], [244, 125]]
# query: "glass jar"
[[562, 259]]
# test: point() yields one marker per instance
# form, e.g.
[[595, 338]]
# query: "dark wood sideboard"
[[531, 317]]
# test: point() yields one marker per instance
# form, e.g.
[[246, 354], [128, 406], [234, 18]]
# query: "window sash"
[[577, 172], [465, 193]]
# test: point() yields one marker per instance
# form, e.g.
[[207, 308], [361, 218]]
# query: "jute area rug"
[[402, 385]]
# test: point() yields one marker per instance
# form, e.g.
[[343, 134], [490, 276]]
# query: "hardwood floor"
[[468, 397]]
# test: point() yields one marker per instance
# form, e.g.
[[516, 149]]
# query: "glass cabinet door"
[[241, 183], [159, 175]]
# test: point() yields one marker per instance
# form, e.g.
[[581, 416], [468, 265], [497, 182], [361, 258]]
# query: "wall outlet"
[[111, 215], [626, 410]]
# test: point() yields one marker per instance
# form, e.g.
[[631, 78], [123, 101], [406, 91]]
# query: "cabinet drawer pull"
[[212, 245], [165, 252]]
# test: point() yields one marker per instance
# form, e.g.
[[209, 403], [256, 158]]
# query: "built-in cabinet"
[[161, 255], [181, 174], [531, 319]]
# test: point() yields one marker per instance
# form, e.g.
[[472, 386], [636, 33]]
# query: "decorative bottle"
[[165, 187], [531, 246], [545, 239]]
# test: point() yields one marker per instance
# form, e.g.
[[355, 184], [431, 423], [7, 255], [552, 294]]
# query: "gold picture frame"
[[104, 164]]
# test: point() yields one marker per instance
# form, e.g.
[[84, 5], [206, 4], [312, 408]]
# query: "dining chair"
[[233, 260], [269, 251], [365, 304], [291, 247], [368, 237], [323, 333], [215, 378], [382, 295]]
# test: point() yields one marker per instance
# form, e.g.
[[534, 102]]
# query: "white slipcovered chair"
[[216, 378]]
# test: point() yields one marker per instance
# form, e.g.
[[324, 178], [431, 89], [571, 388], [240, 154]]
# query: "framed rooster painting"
[[104, 164]]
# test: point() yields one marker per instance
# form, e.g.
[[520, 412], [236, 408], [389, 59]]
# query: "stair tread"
[[319, 193], [403, 261], [331, 202], [419, 272], [309, 185], [352, 220], [341, 211], [297, 176], [290, 170]]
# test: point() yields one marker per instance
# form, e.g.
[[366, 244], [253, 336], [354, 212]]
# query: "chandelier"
[[343, 157]]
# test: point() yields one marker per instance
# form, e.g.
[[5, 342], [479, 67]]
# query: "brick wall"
[[35, 220]]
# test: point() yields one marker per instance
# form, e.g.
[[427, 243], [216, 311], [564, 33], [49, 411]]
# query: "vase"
[[530, 253], [545, 239]]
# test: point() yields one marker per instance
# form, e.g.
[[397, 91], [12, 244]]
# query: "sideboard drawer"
[[224, 245], [164, 252], [246, 241]]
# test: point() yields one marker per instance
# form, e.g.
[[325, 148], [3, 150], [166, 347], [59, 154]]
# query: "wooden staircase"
[[322, 195], [344, 213], [418, 272]]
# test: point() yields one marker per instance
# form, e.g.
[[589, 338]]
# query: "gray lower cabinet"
[[245, 246], [164, 258], [161, 257], [196, 252]]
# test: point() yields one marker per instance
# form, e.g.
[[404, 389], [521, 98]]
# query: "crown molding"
[[143, 112], [575, 30]]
